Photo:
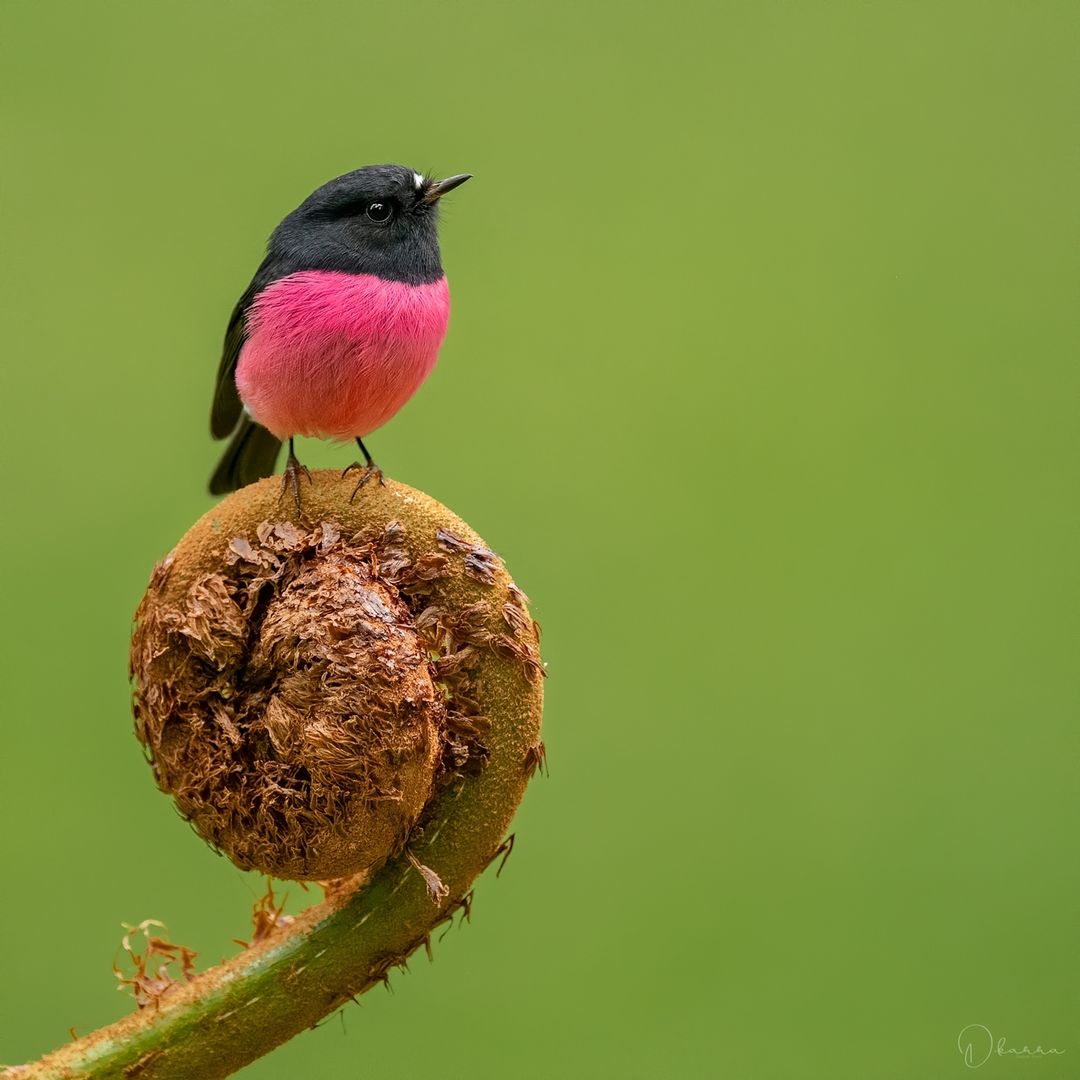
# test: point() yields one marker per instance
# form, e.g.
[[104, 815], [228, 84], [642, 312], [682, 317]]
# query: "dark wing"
[[226, 408], [252, 451]]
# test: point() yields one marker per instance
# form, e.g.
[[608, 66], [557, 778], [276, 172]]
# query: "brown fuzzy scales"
[[267, 916], [300, 698], [288, 705], [151, 978]]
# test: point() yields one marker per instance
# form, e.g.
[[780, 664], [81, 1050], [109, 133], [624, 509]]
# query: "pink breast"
[[336, 355]]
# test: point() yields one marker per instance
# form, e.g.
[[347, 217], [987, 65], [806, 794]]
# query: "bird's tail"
[[251, 455]]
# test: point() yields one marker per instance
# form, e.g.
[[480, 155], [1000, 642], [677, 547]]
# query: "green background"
[[763, 378]]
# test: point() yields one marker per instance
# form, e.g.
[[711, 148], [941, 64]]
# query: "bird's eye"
[[379, 211]]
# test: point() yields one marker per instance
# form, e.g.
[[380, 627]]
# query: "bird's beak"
[[441, 187]]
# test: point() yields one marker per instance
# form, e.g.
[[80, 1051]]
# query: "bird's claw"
[[370, 470], [291, 478]]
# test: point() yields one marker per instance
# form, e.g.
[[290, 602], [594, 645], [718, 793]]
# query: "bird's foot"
[[290, 478], [370, 471]]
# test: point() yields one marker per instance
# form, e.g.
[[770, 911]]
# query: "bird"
[[339, 327]]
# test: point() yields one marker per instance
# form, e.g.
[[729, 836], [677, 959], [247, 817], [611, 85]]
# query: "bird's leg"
[[291, 477], [369, 467]]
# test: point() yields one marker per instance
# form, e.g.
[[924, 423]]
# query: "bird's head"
[[381, 219]]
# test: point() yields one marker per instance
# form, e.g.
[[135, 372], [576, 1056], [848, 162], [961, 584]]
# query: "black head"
[[381, 220]]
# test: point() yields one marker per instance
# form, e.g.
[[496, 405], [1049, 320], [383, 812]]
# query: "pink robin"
[[339, 327]]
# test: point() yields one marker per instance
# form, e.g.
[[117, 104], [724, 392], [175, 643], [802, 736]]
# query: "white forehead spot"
[[418, 180]]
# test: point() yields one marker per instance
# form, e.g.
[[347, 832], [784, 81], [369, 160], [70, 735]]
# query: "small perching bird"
[[339, 327]]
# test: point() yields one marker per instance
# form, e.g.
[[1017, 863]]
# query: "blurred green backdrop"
[[763, 378]]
